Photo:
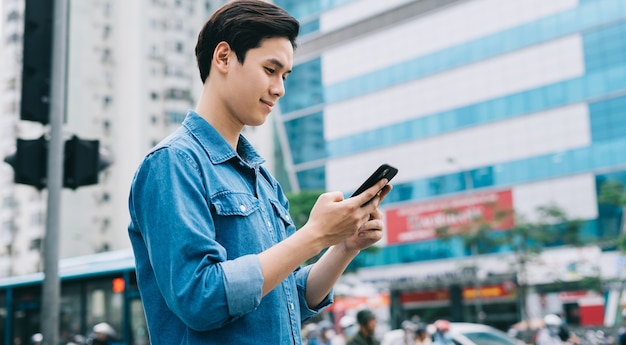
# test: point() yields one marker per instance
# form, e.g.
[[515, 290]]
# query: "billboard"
[[420, 221]]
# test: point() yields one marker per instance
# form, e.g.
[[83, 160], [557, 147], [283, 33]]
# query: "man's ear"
[[222, 56]]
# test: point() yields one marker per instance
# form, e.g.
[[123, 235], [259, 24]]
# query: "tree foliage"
[[476, 235], [526, 239], [300, 205], [613, 192]]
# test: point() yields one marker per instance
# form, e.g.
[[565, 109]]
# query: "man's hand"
[[334, 219], [372, 230]]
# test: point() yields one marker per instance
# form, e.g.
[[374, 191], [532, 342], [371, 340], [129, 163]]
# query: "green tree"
[[300, 205], [613, 192], [476, 237], [526, 239]]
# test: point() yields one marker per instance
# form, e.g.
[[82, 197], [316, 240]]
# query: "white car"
[[464, 333]]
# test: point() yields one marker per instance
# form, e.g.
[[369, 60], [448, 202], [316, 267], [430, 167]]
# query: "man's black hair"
[[243, 25]]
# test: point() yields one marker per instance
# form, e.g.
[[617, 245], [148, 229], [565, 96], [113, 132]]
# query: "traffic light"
[[37, 60], [29, 162], [83, 161]]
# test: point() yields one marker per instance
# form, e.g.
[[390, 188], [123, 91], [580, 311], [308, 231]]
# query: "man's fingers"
[[371, 192], [385, 191]]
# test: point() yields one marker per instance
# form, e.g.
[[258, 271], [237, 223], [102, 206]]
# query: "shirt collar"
[[216, 146]]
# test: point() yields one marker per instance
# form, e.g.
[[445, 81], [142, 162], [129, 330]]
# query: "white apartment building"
[[132, 76]]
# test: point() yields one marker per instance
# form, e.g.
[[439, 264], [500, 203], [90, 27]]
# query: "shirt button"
[[269, 224], [242, 208], [291, 306]]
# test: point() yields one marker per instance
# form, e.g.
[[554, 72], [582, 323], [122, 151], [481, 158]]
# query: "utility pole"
[[51, 285]]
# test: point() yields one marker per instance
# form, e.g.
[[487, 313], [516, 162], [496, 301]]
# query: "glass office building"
[[521, 103]]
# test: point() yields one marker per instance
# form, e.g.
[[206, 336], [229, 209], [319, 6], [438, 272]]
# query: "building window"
[[14, 38], [106, 124], [12, 84], [107, 9], [13, 15], [179, 47], [106, 101], [35, 244], [106, 31]]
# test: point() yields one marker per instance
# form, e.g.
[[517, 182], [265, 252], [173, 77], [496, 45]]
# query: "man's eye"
[[270, 70]]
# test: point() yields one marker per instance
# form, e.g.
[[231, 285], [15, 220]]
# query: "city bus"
[[95, 288]]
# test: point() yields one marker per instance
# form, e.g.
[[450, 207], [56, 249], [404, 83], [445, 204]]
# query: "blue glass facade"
[[607, 119], [308, 12], [601, 25]]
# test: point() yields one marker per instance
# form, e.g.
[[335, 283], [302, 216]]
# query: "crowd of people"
[[351, 331], [361, 330], [101, 334]]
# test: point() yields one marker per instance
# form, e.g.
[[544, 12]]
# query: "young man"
[[217, 255]]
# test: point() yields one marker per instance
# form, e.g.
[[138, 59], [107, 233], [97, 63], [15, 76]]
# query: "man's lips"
[[268, 103]]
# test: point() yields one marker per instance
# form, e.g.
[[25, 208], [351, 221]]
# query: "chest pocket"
[[287, 227], [235, 204], [238, 224]]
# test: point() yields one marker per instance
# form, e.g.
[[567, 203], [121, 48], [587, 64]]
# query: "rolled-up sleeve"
[[242, 277], [307, 311]]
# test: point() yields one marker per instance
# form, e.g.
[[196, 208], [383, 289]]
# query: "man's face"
[[371, 326], [254, 87]]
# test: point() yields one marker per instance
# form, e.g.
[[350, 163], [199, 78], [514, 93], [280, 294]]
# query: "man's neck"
[[211, 109]]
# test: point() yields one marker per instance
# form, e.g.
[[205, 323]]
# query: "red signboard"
[[419, 221], [488, 292]]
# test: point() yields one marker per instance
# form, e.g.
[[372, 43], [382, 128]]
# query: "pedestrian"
[[218, 258], [36, 339], [348, 327], [550, 333], [621, 335], [101, 334], [421, 335], [442, 333], [367, 328]]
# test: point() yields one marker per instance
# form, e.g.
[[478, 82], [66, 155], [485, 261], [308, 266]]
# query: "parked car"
[[465, 333]]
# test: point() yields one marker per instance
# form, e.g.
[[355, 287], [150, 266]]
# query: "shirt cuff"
[[243, 281], [306, 311]]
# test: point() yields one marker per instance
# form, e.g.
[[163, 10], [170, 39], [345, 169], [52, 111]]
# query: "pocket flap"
[[235, 204]]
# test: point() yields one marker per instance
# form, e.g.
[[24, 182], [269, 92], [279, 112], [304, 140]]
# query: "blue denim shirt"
[[200, 212]]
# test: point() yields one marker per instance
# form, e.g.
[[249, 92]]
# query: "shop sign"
[[420, 221], [432, 297], [343, 303]]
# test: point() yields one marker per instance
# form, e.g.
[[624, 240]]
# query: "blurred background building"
[[514, 103]]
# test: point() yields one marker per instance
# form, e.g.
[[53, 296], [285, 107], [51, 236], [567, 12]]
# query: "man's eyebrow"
[[278, 63]]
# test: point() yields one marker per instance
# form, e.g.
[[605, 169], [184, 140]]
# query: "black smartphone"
[[383, 171]]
